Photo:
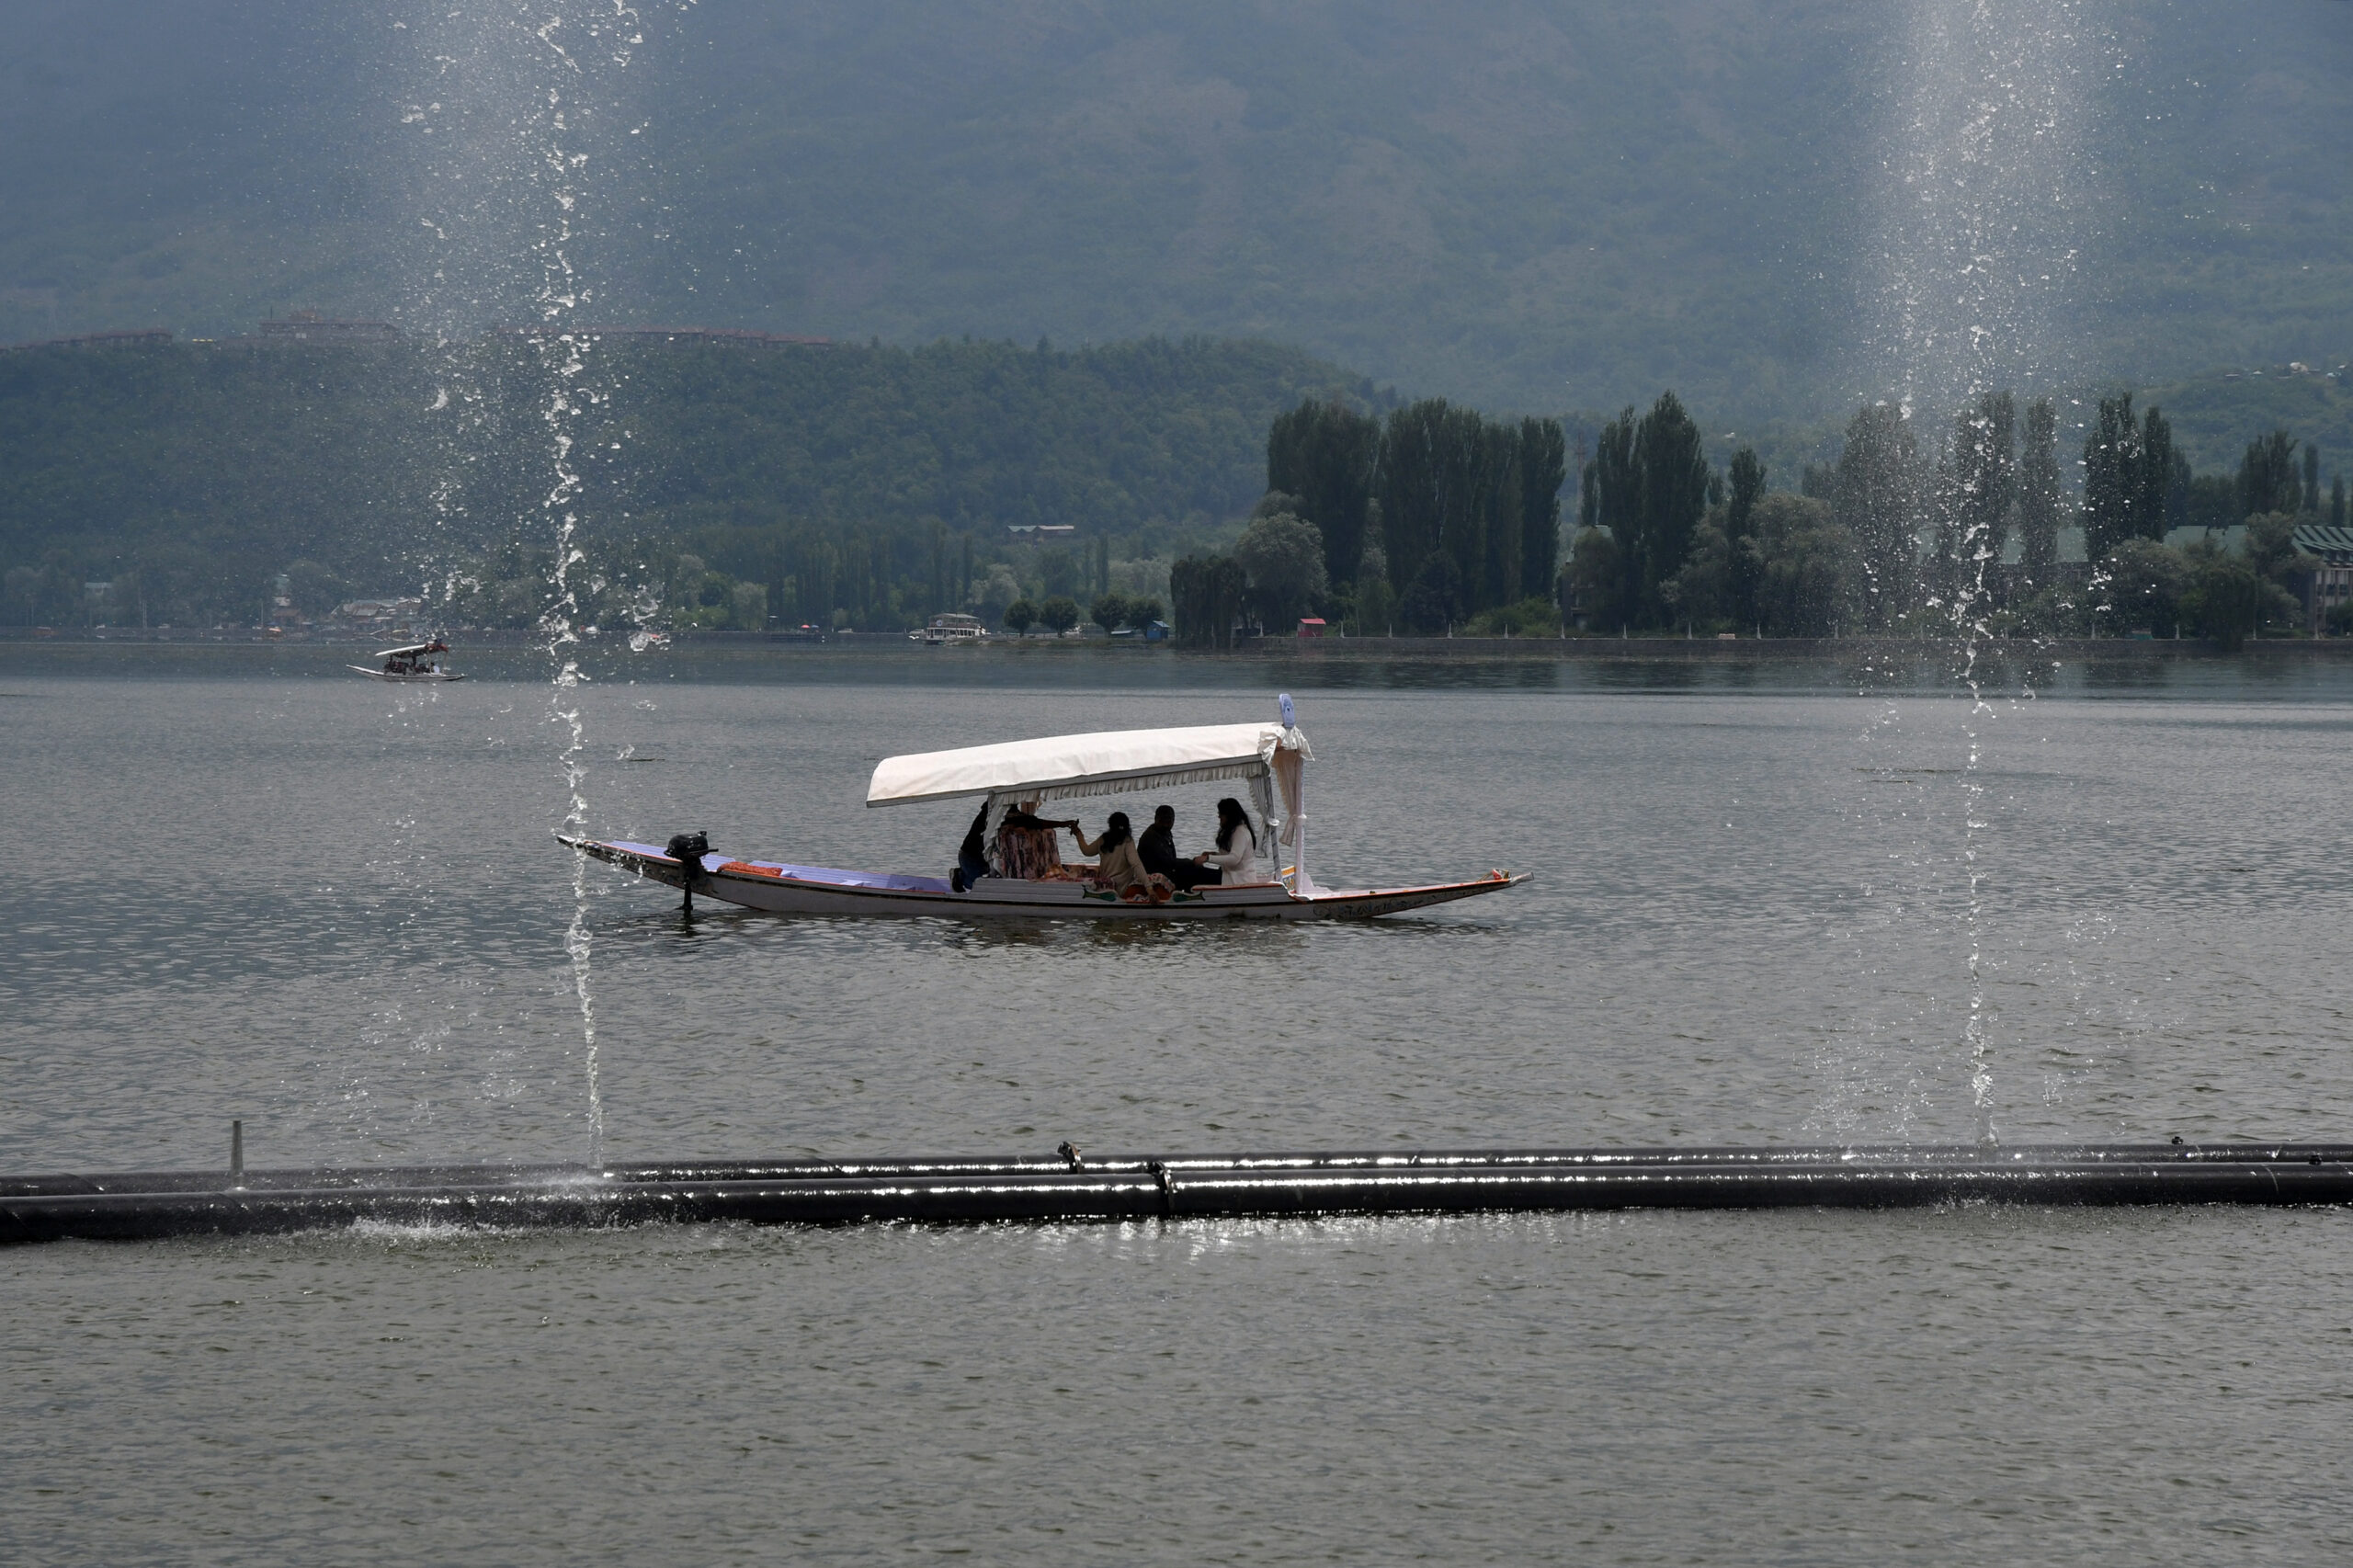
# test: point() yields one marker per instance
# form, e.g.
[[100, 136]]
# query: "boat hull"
[[403, 679], [775, 888]]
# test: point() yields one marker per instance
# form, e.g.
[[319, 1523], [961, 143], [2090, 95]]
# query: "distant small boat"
[[412, 663]]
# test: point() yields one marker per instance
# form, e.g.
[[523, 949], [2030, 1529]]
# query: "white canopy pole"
[[1289, 767]]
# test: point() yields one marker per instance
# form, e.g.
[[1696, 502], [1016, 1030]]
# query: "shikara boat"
[[1269, 759], [412, 663]]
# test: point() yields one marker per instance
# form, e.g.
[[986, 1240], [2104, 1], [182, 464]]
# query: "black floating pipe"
[[1068, 1186]]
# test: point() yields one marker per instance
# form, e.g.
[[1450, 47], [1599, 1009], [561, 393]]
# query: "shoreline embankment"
[[1649, 649]]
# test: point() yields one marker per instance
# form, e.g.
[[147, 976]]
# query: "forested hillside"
[[1526, 205], [195, 473]]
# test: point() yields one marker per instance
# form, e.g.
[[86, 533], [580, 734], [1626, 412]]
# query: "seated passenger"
[[1027, 846], [1117, 865], [1158, 849], [1235, 858]]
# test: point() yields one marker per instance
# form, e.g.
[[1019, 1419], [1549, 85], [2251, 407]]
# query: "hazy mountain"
[[197, 472], [1523, 204]]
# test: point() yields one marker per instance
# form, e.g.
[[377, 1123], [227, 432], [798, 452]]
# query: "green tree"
[[1468, 482], [1648, 487], [1283, 556], [2141, 584], [1543, 469], [1109, 611], [1976, 481], [1326, 454], [1412, 481], [1376, 601], [1876, 504], [1593, 585], [2128, 471], [1806, 566], [2267, 481], [1206, 592], [2311, 477], [2271, 549], [1700, 593], [2179, 486], [2040, 502], [1744, 561], [1434, 601], [1613, 506], [1484, 494], [1503, 514], [2226, 600], [1673, 497], [2153, 501], [748, 607], [1020, 616], [1058, 613], [315, 589]]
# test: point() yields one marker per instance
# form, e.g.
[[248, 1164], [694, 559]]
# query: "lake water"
[[246, 885]]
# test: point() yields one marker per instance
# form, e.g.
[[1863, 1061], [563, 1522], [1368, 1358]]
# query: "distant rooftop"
[[2332, 543]]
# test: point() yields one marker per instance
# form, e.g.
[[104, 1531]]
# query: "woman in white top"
[[1237, 856]]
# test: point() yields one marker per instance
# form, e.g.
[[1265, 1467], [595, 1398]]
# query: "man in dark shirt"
[[1158, 849], [973, 855]]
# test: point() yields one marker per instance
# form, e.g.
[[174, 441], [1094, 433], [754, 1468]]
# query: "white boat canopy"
[[1108, 763], [414, 649]]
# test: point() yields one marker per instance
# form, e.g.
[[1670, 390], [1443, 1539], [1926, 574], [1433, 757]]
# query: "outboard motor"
[[687, 850]]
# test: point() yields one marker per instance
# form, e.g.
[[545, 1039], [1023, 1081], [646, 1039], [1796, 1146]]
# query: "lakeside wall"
[[1337, 649]]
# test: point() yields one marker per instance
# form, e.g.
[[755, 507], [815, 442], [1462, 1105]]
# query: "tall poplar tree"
[[1326, 454], [2040, 499], [1411, 485], [1544, 469], [1975, 478], [1615, 491], [1466, 484], [1674, 496], [2112, 471], [1989, 442], [1875, 497], [1744, 550], [2152, 486], [2267, 481], [1504, 503]]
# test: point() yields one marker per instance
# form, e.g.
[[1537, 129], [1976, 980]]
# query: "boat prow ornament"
[[1266, 761]]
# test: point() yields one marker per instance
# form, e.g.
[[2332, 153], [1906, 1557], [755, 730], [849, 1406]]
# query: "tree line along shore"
[[1232, 487]]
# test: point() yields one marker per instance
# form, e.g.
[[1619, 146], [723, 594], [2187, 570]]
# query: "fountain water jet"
[[1977, 231], [519, 97], [1979, 222]]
